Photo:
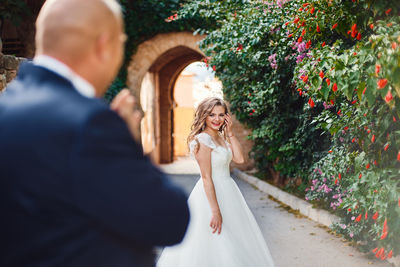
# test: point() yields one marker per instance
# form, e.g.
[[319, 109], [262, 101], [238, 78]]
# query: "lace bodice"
[[220, 156]]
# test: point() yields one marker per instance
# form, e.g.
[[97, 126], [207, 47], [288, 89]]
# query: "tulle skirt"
[[240, 244]]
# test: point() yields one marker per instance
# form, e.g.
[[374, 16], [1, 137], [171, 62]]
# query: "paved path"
[[294, 241]]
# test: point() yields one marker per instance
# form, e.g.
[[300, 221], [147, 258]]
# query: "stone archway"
[[152, 74]]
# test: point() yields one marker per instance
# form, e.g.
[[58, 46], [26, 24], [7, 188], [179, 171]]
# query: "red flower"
[[383, 257], [385, 227], [394, 45], [304, 78], [318, 28], [300, 39], [340, 176], [334, 26], [388, 96], [358, 218], [375, 163], [398, 156], [399, 201], [375, 216], [240, 47], [390, 254], [382, 83], [323, 44], [394, 118], [300, 91], [214, 68], [375, 250], [328, 82], [359, 36], [366, 215], [308, 44], [330, 151], [306, 4], [371, 26], [346, 128], [336, 181], [312, 10], [386, 147], [290, 35], [353, 140], [332, 103], [359, 176], [311, 103], [383, 236], [373, 138], [334, 87], [296, 20], [339, 112], [368, 131], [303, 32], [380, 252], [321, 74], [365, 89], [367, 166], [354, 30], [354, 101], [388, 11], [377, 68], [349, 209]]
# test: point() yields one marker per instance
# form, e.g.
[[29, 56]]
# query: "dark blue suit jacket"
[[75, 189]]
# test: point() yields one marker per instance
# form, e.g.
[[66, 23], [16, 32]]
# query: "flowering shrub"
[[254, 59], [358, 81], [318, 82]]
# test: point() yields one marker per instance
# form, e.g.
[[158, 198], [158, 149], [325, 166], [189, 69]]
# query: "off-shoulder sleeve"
[[201, 138]]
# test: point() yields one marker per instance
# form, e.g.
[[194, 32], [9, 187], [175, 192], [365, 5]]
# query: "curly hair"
[[203, 110]]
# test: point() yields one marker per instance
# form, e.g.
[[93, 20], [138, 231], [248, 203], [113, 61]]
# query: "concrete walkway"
[[294, 240]]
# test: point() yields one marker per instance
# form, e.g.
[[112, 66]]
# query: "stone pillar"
[[8, 69]]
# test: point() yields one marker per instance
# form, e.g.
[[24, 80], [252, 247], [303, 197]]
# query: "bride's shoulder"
[[203, 138]]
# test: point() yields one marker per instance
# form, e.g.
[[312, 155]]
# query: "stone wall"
[[8, 69]]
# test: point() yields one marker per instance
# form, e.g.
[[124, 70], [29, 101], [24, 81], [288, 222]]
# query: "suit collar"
[[56, 66]]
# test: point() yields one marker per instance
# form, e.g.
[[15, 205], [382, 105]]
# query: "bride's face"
[[216, 118]]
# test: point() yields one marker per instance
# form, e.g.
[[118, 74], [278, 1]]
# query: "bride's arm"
[[237, 153], [203, 157]]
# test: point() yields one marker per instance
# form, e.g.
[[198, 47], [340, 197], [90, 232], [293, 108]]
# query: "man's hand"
[[124, 104]]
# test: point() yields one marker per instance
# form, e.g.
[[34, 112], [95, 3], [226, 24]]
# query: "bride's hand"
[[228, 122], [216, 222]]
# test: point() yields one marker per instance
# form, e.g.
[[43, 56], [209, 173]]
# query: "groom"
[[75, 188]]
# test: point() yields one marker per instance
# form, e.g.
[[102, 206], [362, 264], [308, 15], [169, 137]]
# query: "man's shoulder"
[[39, 93]]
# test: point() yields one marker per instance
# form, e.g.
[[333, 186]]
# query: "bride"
[[222, 232]]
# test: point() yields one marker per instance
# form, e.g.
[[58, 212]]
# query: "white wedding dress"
[[240, 244]]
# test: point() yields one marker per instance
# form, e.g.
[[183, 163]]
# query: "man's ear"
[[102, 50]]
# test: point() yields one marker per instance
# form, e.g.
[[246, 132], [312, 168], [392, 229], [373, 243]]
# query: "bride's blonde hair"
[[203, 110]]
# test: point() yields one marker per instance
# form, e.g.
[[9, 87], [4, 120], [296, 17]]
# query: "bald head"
[[85, 35], [70, 26]]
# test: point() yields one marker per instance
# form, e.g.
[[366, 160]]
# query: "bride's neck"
[[211, 132]]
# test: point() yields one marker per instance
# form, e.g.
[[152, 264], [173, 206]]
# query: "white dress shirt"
[[56, 66]]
